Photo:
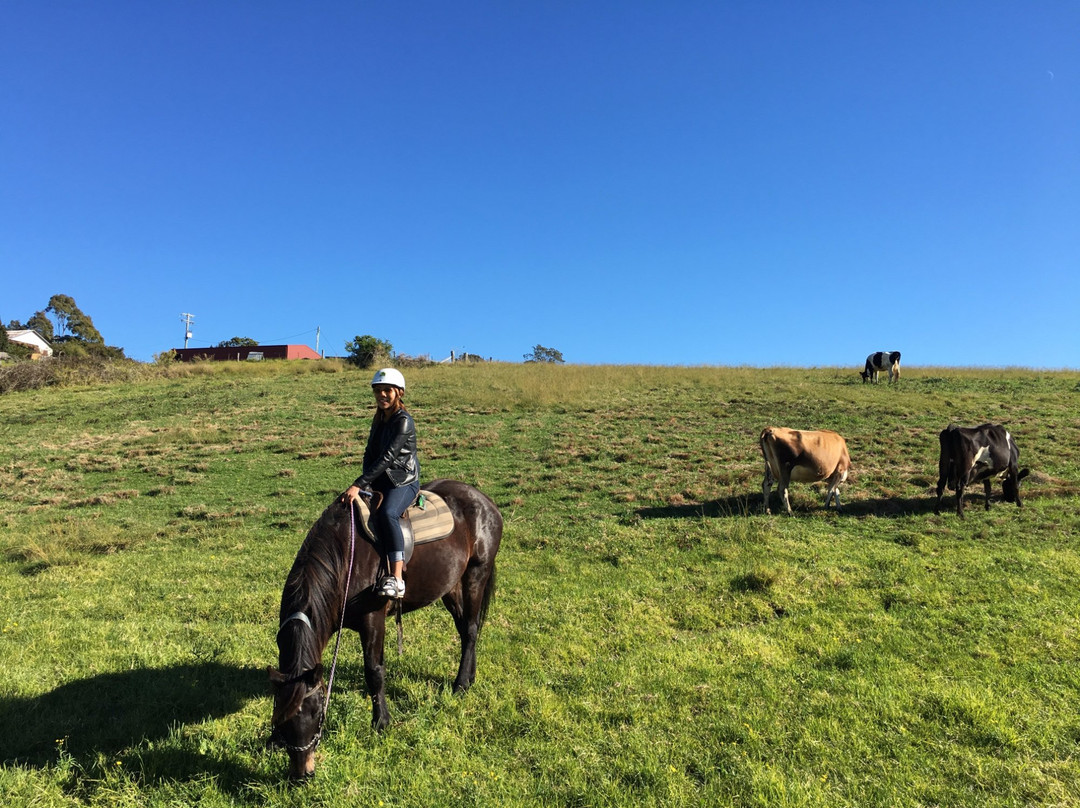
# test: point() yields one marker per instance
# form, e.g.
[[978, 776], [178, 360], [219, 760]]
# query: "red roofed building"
[[245, 353]]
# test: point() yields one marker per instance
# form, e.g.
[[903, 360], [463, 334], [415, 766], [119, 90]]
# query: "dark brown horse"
[[459, 569]]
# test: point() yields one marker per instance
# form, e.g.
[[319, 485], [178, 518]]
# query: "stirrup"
[[392, 588]]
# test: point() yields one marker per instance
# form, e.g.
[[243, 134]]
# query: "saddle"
[[427, 519]]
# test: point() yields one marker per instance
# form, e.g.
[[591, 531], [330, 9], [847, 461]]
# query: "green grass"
[[655, 639]]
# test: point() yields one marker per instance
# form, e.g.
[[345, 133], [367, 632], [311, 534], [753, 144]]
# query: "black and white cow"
[[970, 454], [880, 361]]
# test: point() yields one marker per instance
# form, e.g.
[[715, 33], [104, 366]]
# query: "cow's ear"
[[1023, 473]]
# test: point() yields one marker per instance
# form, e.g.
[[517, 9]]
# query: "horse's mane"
[[313, 588]]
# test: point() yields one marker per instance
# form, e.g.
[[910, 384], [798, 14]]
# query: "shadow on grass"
[[728, 506], [109, 713], [751, 505]]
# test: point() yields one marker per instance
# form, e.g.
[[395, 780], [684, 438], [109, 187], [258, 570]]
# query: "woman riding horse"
[[391, 468]]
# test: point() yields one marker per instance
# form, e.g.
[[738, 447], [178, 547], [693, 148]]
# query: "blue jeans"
[[395, 502]]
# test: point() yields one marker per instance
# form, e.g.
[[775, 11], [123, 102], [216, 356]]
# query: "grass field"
[[655, 639]]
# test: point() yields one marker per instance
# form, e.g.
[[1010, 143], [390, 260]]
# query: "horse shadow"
[[111, 712]]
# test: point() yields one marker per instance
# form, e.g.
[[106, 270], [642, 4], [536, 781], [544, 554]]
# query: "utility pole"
[[318, 333], [187, 320]]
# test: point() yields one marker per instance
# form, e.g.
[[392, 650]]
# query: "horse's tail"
[[485, 601]]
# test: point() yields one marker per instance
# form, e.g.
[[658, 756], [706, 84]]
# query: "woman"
[[391, 468]]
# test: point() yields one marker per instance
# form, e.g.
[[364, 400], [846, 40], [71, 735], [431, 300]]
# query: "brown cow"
[[804, 457]]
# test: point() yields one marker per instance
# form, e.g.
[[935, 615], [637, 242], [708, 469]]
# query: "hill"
[[655, 638]]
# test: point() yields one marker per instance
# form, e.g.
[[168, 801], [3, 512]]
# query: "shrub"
[[367, 351], [21, 376], [69, 371]]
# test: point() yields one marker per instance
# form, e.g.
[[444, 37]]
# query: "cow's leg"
[[943, 478], [986, 490], [1017, 477], [785, 480], [833, 491], [960, 483], [766, 485]]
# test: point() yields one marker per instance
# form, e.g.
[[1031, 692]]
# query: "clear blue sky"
[[684, 183]]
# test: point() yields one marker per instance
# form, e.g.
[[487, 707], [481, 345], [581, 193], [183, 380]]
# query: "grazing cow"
[[804, 457], [877, 362], [978, 453]]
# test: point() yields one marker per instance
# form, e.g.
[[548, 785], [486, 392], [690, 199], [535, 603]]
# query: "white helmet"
[[388, 376]]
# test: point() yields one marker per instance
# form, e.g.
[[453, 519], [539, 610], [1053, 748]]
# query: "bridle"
[[303, 618], [313, 744]]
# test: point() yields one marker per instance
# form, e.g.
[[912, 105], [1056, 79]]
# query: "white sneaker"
[[392, 587]]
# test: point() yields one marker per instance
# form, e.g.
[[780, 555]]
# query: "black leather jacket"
[[391, 450]]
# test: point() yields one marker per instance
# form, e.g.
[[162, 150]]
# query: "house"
[[245, 353], [33, 340]]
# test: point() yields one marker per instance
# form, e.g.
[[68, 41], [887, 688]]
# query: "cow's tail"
[[948, 470], [767, 450], [766, 435]]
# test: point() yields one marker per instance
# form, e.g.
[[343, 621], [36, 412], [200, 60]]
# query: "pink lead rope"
[[344, 602]]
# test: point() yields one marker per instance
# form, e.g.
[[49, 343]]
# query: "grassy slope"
[[655, 638]]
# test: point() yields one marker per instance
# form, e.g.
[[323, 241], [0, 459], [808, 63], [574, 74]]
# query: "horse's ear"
[[1023, 473]]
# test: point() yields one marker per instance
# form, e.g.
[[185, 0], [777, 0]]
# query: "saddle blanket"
[[428, 522], [432, 520]]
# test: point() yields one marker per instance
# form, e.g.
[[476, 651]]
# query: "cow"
[[970, 454], [877, 362], [804, 457]]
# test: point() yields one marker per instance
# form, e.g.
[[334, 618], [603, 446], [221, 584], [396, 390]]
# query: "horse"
[[459, 569]]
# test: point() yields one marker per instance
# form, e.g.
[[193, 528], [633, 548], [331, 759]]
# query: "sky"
[[780, 183]]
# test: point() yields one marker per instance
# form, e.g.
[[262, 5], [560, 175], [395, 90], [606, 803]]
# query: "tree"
[[15, 350], [71, 319], [238, 342], [364, 350], [41, 323], [542, 354]]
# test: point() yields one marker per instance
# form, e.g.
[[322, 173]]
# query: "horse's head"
[[296, 724]]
